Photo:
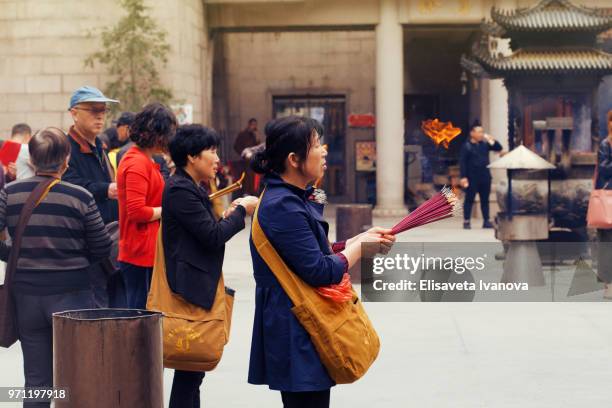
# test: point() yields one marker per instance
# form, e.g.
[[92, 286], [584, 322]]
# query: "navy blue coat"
[[282, 354]]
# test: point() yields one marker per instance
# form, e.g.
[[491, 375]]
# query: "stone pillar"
[[495, 100], [494, 107], [389, 112]]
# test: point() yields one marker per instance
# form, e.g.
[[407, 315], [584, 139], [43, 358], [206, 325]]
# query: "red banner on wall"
[[363, 120]]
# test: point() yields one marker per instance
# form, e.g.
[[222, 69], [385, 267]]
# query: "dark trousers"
[[604, 255], [310, 399], [137, 281], [186, 389], [36, 334], [482, 186], [98, 279]]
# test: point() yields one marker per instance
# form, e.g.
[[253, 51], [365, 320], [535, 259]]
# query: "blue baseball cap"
[[89, 94]]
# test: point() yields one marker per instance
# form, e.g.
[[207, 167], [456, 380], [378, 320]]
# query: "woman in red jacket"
[[139, 186]]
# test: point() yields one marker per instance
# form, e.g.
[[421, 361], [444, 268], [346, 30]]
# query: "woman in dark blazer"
[[290, 215], [194, 241]]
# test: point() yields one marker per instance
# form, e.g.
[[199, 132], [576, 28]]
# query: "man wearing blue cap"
[[89, 165]]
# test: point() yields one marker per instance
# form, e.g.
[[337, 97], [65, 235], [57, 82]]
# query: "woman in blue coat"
[[290, 215]]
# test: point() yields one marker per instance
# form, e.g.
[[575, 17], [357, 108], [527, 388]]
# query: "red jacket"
[[140, 186]]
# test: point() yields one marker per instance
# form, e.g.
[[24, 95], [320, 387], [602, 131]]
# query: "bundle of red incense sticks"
[[443, 204]]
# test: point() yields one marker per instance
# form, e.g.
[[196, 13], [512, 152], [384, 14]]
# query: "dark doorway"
[[330, 111]]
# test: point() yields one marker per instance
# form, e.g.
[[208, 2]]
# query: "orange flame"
[[440, 132]]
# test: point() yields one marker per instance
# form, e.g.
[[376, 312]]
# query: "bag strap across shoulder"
[[289, 281], [36, 196]]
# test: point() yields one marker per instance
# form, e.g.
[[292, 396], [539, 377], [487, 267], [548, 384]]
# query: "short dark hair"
[[291, 134], [252, 120], [153, 126], [49, 149], [475, 124], [126, 119], [21, 128], [191, 140]]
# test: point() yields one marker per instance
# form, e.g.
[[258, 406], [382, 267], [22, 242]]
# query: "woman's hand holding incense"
[[382, 237], [386, 232]]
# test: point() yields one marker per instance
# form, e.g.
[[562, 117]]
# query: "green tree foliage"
[[132, 50]]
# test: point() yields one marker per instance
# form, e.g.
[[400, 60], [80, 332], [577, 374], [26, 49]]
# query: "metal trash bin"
[[351, 220], [108, 358]]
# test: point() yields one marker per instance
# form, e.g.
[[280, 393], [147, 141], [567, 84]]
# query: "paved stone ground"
[[459, 355]]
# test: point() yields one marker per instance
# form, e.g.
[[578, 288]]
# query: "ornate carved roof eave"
[[543, 18], [476, 69], [527, 63], [492, 71], [492, 29]]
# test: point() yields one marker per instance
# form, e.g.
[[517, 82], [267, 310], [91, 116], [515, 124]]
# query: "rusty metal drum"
[[352, 219], [108, 358]]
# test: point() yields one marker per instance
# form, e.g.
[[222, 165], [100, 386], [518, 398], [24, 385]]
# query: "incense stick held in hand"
[[443, 204]]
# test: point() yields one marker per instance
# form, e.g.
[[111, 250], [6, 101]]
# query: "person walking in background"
[[20, 168], [604, 236], [64, 237], [247, 138], [140, 186], [89, 165], [193, 239], [475, 175], [282, 353]]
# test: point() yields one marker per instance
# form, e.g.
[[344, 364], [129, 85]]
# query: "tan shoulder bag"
[[194, 337]]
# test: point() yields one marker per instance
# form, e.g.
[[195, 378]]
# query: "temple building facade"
[[371, 70]]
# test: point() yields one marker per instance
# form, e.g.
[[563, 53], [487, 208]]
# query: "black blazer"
[[194, 241], [474, 159]]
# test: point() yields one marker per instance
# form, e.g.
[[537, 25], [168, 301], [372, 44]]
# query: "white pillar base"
[[390, 211]]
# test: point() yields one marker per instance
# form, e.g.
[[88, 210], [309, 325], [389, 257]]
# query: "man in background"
[[247, 138], [117, 136], [90, 167], [475, 175], [21, 167]]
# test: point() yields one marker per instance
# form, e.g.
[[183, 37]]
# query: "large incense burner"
[[552, 71]]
